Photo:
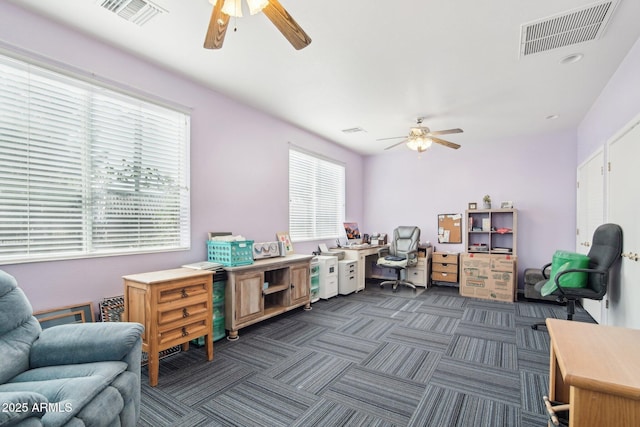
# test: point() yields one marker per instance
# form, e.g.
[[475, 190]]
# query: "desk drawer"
[[169, 293], [168, 313], [445, 268], [445, 258], [444, 277], [416, 276]]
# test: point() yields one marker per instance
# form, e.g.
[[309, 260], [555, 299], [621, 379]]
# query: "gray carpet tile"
[[296, 333], [368, 327], [309, 370], [259, 401], [489, 317], [432, 322], [373, 358], [485, 331], [382, 395], [402, 361], [441, 407], [344, 346], [486, 352], [385, 313], [327, 413], [426, 340], [259, 351], [400, 304], [478, 379]]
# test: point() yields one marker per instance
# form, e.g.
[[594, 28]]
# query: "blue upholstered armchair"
[[68, 375]]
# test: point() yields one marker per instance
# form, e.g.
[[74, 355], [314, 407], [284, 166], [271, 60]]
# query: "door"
[[249, 301], [299, 284], [624, 209], [590, 214]]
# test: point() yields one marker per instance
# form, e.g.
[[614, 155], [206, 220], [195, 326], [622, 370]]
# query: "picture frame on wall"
[[473, 206]]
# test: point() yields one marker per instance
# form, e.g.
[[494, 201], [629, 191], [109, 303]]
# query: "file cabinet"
[[444, 267], [175, 306], [347, 276]]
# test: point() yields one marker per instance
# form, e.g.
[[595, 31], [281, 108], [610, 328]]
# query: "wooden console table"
[[175, 306], [596, 370], [264, 289]]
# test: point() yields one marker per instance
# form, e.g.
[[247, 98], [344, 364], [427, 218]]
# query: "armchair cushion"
[[19, 406], [67, 375], [91, 342]]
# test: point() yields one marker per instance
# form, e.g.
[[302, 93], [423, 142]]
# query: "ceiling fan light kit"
[[234, 7], [421, 138], [223, 9]]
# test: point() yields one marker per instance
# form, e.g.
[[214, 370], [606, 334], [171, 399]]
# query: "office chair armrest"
[[544, 271], [604, 273], [383, 252], [411, 256]]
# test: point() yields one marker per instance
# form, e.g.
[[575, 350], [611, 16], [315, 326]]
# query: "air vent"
[[353, 130], [137, 11], [566, 29]]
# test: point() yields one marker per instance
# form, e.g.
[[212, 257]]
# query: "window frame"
[[317, 227], [94, 86]]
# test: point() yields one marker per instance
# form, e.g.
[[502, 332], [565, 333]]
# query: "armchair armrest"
[[604, 274], [545, 272], [84, 343]]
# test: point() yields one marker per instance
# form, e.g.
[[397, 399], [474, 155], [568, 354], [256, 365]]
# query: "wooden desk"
[[175, 306], [596, 369]]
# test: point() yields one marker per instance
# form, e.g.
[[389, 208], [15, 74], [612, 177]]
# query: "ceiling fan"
[[223, 9], [421, 137]]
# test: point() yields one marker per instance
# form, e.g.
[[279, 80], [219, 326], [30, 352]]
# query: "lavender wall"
[[239, 165], [537, 173], [618, 103]]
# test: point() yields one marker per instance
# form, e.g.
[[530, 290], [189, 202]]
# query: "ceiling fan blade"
[[395, 145], [393, 137], [286, 24], [217, 27], [446, 132], [445, 143]]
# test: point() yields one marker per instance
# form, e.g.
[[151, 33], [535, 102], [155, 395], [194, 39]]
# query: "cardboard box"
[[488, 276]]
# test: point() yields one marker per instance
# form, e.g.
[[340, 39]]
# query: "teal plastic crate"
[[230, 254]]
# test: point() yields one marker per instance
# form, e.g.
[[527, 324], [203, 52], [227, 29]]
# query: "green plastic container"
[[562, 261]]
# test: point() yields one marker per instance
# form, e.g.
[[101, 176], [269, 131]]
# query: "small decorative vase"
[[487, 205]]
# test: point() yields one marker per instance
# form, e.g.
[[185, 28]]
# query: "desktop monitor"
[[353, 232]]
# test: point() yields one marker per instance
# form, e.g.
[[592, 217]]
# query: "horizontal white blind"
[[316, 197], [87, 171]]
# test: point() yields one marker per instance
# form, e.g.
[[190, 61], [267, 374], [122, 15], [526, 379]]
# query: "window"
[[316, 197], [87, 171]]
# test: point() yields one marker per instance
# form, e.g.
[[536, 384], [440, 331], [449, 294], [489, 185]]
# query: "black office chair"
[[606, 249], [400, 254]]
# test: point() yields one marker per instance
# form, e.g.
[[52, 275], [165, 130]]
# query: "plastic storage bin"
[[230, 254]]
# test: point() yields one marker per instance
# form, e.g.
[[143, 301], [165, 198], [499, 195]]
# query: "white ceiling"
[[380, 64]]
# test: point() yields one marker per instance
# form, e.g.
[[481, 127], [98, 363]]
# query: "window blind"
[[85, 170], [316, 197]]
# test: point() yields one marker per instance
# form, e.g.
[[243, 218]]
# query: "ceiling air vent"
[[137, 11], [566, 29]]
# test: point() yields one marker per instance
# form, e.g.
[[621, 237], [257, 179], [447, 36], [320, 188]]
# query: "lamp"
[[418, 140], [234, 7]]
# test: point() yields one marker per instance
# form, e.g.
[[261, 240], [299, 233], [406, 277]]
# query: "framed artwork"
[[283, 236], [473, 206], [507, 205], [81, 313]]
